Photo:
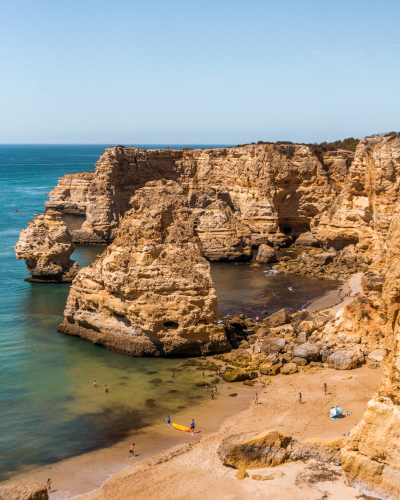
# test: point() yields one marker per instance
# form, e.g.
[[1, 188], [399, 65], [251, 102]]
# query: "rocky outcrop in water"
[[70, 196], [46, 245], [150, 293]]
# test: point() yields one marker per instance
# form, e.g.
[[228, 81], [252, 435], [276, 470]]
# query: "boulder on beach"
[[239, 375], [345, 360], [289, 369], [279, 318], [307, 240], [273, 342], [255, 451], [270, 368], [308, 351]]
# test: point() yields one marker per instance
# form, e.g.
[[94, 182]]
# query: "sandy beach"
[[194, 470], [162, 453]]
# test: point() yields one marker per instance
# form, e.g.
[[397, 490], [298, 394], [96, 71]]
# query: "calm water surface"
[[49, 408]]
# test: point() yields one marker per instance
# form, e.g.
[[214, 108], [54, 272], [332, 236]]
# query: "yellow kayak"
[[181, 427]]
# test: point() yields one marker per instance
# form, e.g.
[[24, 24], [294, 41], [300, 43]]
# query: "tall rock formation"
[[271, 188], [150, 293], [46, 245], [371, 457], [223, 236], [70, 196], [362, 212]]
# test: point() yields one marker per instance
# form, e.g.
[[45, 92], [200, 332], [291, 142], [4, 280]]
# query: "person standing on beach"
[[206, 387], [131, 451], [168, 420], [259, 349], [94, 384], [256, 399], [105, 388], [219, 372], [257, 319], [203, 374], [325, 388], [215, 389], [300, 398], [48, 486], [338, 292], [192, 426], [212, 394], [252, 348]]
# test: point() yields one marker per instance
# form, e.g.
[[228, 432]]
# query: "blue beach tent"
[[335, 411]]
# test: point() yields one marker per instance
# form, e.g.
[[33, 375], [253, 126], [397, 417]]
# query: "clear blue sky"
[[210, 71]]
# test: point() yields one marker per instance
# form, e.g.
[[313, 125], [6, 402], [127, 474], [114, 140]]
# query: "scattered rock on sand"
[[323, 450], [241, 474], [289, 369], [23, 491], [275, 475]]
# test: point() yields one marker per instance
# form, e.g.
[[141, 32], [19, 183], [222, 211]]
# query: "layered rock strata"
[[150, 293], [223, 236], [71, 194], [273, 189], [46, 245], [362, 211], [371, 457]]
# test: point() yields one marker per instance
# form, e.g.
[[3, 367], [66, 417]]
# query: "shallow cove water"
[[49, 408]]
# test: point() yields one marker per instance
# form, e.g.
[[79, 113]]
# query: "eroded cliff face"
[[223, 236], [371, 457], [46, 245], [70, 196], [150, 293], [363, 210], [270, 188]]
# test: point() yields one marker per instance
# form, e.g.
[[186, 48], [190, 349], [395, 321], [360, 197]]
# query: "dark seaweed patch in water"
[[125, 377], [172, 390], [169, 382], [151, 373], [155, 381], [91, 431], [150, 400], [233, 395], [181, 407]]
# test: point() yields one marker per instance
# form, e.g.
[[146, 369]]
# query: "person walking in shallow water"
[[173, 374], [94, 384], [168, 420], [105, 388], [131, 451]]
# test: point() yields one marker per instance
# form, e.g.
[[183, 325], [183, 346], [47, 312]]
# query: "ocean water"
[[49, 410]]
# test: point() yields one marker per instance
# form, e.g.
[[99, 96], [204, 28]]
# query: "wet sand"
[[332, 302]]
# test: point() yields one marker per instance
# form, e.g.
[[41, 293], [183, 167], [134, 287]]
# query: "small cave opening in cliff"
[[171, 325], [286, 230]]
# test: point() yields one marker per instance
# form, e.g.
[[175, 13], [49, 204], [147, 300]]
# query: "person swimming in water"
[[94, 384]]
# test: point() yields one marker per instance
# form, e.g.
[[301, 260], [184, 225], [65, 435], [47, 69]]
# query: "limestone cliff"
[[371, 457], [150, 293], [362, 212], [70, 196], [223, 236], [270, 188], [46, 245]]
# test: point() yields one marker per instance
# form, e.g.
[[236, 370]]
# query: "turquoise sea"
[[49, 409]]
